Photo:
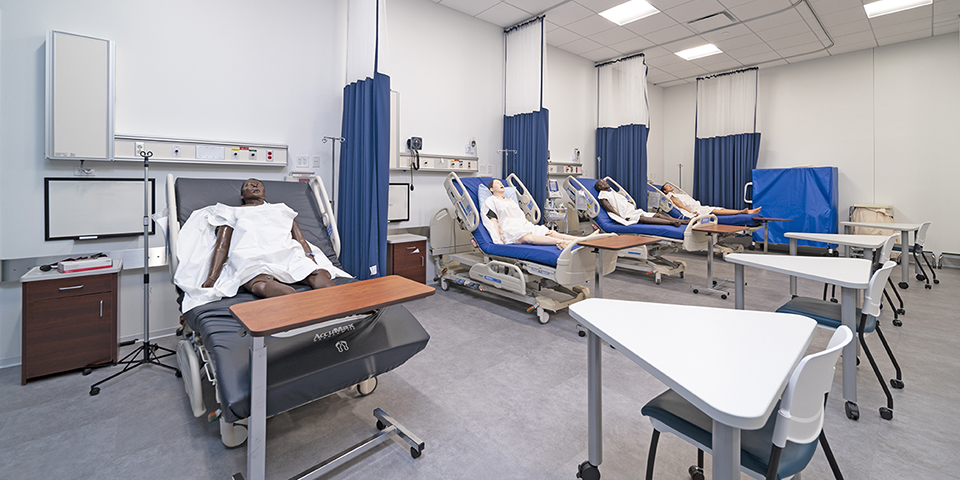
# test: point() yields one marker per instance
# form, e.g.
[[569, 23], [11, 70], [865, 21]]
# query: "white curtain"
[[363, 31], [525, 68], [727, 104], [622, 87]]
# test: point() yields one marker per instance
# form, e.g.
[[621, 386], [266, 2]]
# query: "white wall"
[[886, 117], [268, 72], [571, 97]]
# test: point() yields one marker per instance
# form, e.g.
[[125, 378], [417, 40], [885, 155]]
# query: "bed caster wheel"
[[543, 316], [582, 333], [714, 283], [896, 383], [87, 371], [852, 411], [696, 473], [886, 413], [657, 281], [415, 452], [695, 291], [752, 247], [681, 274], [444, 284], [367, 386], [381, 426], [903, 285], [94, 391], [897, 322], [586, 471]]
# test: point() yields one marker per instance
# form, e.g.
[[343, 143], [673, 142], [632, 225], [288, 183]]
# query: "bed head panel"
[[196, 193]]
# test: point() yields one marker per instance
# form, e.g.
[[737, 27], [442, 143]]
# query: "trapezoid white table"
[[904, 229]]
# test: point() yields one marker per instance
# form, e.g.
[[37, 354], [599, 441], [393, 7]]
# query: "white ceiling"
[[764, 33]]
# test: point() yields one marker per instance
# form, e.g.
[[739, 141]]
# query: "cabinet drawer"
[[67, 287]]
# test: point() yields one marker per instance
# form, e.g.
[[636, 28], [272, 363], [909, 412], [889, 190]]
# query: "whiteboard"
[[92, 208]]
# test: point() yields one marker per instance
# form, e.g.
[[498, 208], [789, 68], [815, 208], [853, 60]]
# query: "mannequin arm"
[[220, 251]]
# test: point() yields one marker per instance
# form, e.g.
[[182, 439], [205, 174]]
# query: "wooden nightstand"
[[69, 320], [407, 256]]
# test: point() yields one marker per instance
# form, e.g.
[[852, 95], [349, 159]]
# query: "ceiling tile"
[[785, 31], [675, 83], [614, 35], [800, 49], [684, 44], [504, 15], [600, 5], [775, 63], [758, 59], [852, 47], [849, 28], [738, 42], [657, 52], [822, 53], [591, 25], [664, 5], [902, 38], [749, 50], [824, 7], [568, 13], [854, 38], [635, 44], [792, 41], [724, 67], [921, 25], [843, 16], [693, 10], [667, 35], [757, 8], [600, 54], [533, 7], [773, 21], [549, 26], [734, 3], [653, 23], [707, 62], [946, 28], [659, 79], [726, 33], [561, 36], [685, 70], [921, 13], [582, 45], [470, 7]]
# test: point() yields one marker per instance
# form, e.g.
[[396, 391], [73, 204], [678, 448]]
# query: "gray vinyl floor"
[[495, 395]]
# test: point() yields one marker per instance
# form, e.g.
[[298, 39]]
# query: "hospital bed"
[[465, 254], [303, 365], [646, 259], [658, 202]]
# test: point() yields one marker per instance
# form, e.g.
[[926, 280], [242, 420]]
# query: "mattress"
[[738, 219], [608, 225]]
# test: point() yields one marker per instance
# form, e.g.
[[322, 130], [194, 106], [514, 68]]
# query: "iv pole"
[[333, 166], [507, 163]]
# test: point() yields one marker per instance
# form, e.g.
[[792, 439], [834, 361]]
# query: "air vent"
[[710, 22]]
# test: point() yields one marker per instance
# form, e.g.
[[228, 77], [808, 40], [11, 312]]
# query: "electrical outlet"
[[302, 161], [235, 154], [316, 161], [175, 151], [138, 147]]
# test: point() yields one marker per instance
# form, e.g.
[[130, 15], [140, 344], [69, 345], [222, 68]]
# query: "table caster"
[[381, 426], [586, 471], [415, 452], [897, 322], [695, 291], [94, 391], [696, 473], [723, 297], [927, 286], [896, 383], [886, 413], [87, 371], [903, 285], [581, 333], [178, 373], [852, 410]]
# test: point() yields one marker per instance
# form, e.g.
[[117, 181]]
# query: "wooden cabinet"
[[407, 256], [69, 321]]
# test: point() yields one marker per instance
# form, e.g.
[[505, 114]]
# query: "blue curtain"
[[527, 133], [364, 177], [722, 166], [622, 154]]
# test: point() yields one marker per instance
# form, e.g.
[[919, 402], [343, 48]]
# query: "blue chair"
[[828, 315], [785, 444]]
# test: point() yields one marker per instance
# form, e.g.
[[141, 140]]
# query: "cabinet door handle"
[[421, 260], [411, 248], [101, 308], [71, 288]]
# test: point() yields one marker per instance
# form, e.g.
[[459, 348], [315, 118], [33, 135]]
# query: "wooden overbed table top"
[[279, 314], [619, 242]]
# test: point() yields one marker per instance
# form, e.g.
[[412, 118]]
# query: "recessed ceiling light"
[[629, 12], [699, 52], [884, 7]]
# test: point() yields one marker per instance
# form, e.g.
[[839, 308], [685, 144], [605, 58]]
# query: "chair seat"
[[755, 445], [825, 313]]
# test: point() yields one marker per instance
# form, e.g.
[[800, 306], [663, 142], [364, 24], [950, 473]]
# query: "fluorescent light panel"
[[699, 52], [884, 7], [629, 12]]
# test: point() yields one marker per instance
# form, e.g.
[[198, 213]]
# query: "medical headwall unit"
[[809, 196]]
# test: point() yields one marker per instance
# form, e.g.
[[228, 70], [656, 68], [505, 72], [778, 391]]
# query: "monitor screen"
[[92, 208]]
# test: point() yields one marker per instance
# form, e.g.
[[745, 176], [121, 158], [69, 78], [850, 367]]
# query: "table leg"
[[599, 272], [738, 286], [257, 423], [710, 261], [793, 279], [726, 452], [594, 414], [766, 226], [904, 259], [848, 314]]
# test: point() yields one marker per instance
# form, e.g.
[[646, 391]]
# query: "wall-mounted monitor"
[[93, 208]]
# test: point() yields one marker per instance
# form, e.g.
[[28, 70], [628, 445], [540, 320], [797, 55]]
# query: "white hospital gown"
[[511, 221], [690, 203], [261, 243], [628, 214]]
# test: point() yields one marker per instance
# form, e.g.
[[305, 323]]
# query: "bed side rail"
[[466, 210], [694, 241], [657, 200], [576, 265], [575, 188], [527, 204], [173, 225], [622, 191], [326, 212]]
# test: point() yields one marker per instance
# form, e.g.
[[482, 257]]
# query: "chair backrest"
[[874, 294], [800, 417], [887, 249], [922, 234]]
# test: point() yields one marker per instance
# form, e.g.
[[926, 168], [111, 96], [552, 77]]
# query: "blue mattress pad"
[[608, 225], [542, 254]]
